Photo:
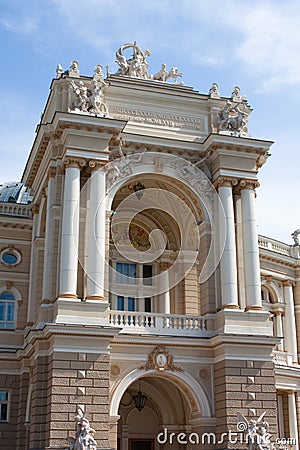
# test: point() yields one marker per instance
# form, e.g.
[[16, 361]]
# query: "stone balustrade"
[[162, 324], [16, 209]]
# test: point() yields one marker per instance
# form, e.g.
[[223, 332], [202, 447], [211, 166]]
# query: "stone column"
[[229, 290], [250, 244], [165, 287], [290, 329], [70, 228], [48, 252], [31, 299], [293, 425], [297, 308], [278, 327], [96, 233]]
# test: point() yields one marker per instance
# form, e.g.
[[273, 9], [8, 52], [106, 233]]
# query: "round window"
[[10, 257]]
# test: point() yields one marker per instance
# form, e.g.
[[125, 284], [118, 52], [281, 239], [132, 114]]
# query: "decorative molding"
[[248, 184], [225, 181], [95, 165], [288, 283], [115, 370], [72, 161], [160, 359]]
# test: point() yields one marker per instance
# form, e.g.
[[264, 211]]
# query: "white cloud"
[[25, 25], [261, 38]]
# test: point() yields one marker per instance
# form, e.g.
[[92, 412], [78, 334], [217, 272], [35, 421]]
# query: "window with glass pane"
[[126, 273], [148, 304], [131, 304], [3, 406], [7, 310], [120, 303], [147, 275], [9, 258]]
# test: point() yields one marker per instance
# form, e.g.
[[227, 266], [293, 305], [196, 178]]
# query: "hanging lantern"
[[139, 399]]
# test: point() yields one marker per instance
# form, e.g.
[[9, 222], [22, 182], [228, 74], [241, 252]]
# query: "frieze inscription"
[[159, 118]]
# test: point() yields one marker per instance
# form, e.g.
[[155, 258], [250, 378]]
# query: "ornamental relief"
[[160, 359]]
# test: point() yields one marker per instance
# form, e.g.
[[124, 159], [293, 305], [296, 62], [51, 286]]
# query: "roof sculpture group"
[[90, 97]]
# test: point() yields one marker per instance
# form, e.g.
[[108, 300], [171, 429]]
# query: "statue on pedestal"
[[256, 432], [232, 119], [84, 439]]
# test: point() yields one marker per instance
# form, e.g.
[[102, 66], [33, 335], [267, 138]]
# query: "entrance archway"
[[175, 402]]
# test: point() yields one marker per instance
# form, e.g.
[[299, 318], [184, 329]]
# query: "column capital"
[[73, 161], [288, 283], [268, 278], [35, 208], [95, 164], [51, 172], [164, 265], [248, 184], [225, 181]]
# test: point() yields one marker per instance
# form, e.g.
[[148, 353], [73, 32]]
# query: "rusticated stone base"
[[247, 387]]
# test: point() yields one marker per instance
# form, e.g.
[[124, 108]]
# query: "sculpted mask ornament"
[[160, 359]]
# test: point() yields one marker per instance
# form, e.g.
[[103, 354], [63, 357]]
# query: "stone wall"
[[247, 387]]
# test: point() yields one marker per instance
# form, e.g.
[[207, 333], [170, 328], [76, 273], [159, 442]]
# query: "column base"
[[67, 296], [94, 297], [254, 308], [230, 306]]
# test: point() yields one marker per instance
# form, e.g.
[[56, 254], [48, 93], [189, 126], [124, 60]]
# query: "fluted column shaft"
[[290, 321], [250, 245], [48, 252], [228, 265], [70, 229], [96, 233]]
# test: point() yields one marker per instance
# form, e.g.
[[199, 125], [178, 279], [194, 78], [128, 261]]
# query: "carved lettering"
[[159, 118]]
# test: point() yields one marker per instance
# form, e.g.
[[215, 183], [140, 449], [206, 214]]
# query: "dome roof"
[[15, 192]]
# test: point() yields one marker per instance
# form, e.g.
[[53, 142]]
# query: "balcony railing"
[[274, 246], [16, 209], [160, 324]]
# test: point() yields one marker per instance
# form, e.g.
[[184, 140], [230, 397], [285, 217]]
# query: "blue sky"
[[252, 43]]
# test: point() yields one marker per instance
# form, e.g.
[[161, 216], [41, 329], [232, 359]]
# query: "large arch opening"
[[175, 403]]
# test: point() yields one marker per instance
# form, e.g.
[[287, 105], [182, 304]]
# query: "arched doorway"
[[165, 407], [175, 405]]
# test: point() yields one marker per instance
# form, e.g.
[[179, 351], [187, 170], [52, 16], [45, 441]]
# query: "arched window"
[[7, 310]]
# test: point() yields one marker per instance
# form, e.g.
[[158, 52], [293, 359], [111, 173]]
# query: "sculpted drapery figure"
[[256, 431], [232, 119], [84, 439], [137, 65], [90, 99]]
